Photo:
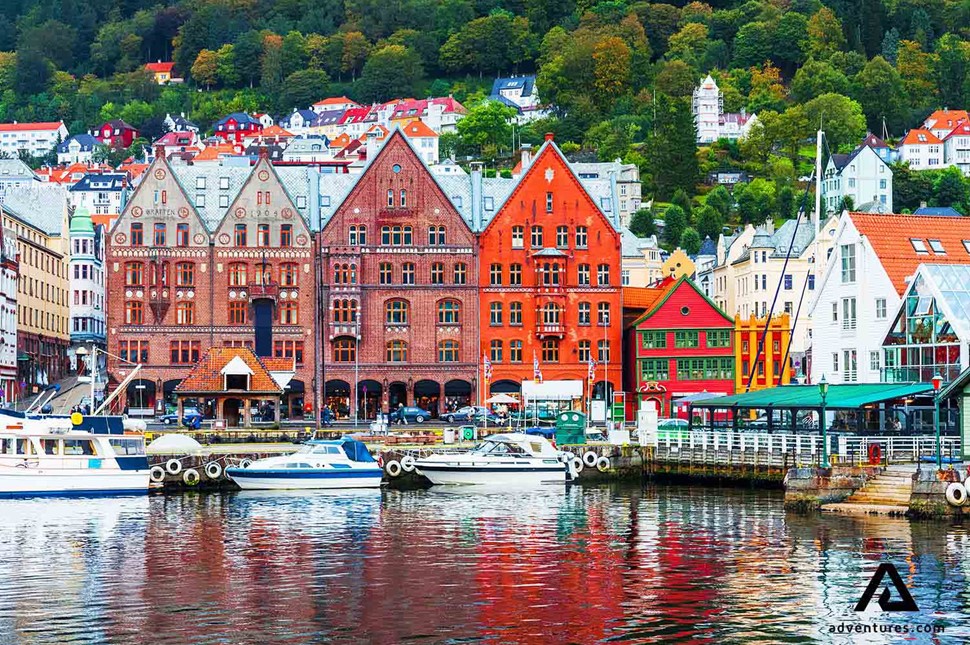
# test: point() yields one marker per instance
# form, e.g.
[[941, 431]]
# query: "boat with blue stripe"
[[344, 463]]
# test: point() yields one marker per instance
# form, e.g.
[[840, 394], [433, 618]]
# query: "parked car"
[[188, 417], [411, 414], [472, 414]]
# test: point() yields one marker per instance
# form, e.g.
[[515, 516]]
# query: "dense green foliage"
[[619, 72]]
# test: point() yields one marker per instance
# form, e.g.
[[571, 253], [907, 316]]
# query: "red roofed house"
[[873, 258], [115, 133], [162, 71], [440, 114], [921, 149], [942, 122], [424, 140], [956, 148], [36, 138], [334, 103], [679, 344]]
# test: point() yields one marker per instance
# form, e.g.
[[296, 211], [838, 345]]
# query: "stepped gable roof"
[[891, 238], [207, 376]]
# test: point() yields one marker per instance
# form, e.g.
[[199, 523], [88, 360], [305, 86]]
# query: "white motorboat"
[[501, 459], [53, 455], [318, 464]]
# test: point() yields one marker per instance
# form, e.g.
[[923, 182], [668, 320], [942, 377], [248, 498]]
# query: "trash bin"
[[449, 435], [570, 428], [468, 433]]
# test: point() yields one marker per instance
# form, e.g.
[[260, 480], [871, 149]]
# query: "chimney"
[[159, 151], [922, 204], [526, 155], [476, 168], [550, 136], [263, 151]]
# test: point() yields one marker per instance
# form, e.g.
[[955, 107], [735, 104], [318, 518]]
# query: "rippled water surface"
[[584, 565]]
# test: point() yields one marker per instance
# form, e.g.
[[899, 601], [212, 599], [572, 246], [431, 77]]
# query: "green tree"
[[675, 221], [825, 35], [303, 88], [675, 79], [752, 45], [611, 69], [815, 78], [951, 188], [689, 43], [488, 123], [293, 53], [785, 202], [205, 69], [271, 64], [890, 45], [789, 41], [226, 69], [880, 91], [681, 199], [247, 52], [671, 148], [708, 221], [690, 241], [841, 118], [720, 199], [491, 43], [32, 73], [642, 223], [756, 201], [952, 66], [391, 71]]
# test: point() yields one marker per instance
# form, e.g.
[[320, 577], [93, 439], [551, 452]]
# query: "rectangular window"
[[653, 339], [461, 273], [937, 247], [548, 202], [848, 262], [518, 237], [562, 237], [550, 351], [515, 274], [603, 275], [495, 275], [239, 233], [603, 314], [874, 361], [495, 314], [583, 275], [788, 281], [848, 313], [181, 234], [880, 308], [515, 313], [159, 234], [835, 312], [719, 338], [237, 313], [262, 235], [582, 236], [686, 339], [536, 238], [850, 370], [585, 313], [603, 351], [407, 273], [919, 246], [654, 369], [835, 361], [437, 273], [286, 235], [515, 351], [811, 282], [495, 351], [185, 351]]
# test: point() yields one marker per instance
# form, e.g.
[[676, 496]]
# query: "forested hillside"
[[619, 73]]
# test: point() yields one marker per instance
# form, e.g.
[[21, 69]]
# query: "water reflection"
[[625, 564]]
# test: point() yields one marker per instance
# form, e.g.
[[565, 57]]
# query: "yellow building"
[[678, 265], [38, 216], [770, 371]]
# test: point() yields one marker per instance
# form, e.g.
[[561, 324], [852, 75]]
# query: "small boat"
[[500, 459], [60, 455], [318, 464]]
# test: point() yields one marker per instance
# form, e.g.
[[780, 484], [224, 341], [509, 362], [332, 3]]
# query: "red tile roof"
[[279, 364], [962, 129], [206, 375], [159, 67], [891, 235], [946, 119], [418, 129], [644, 298], [26, 127], [919, 137], [336, 100]]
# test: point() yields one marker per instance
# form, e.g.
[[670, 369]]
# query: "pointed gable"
[[396, 188], [684, 305], [263, 199], [160, 198]]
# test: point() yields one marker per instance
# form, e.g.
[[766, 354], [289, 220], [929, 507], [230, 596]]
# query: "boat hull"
[[265, 479], [524, 476], [53, 482]]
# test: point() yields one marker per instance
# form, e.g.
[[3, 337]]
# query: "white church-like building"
[[712, 121]]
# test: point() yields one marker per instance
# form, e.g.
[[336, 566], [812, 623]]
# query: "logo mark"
[[905, 604]]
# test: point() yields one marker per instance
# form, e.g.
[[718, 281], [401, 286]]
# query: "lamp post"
[[937, 382], [356, 363], [823, 390]]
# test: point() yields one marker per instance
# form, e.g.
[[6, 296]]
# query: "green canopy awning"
[[840, 397]]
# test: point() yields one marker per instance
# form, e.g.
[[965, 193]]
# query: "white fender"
[[157, 474], [191, 477], [578, 465], [392, 468], [173, 466], [213, 470], [956, 494], [590, 458], [603, 464], [407, 463], [245, 463]]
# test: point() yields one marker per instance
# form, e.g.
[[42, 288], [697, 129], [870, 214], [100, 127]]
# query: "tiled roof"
[[644, 298], [275, 131], [29, 127], [279, 363], [212, 153], [890, 237], [940, 211], [159, 67], [335, 100], [41, 206], [962, 129], [206, 375], [418, 129], [946, 119], [919, 137]]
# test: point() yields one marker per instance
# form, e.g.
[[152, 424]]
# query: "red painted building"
[[550, 281], [116, 134], [399, 292], [678, 343], [236, 127]]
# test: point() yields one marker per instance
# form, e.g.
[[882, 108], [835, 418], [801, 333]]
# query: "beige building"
[[39, 218], [678, 265], [751, 266], [641, 264]]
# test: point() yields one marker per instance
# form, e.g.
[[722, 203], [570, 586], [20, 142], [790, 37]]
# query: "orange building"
[[769, 371], [549, 270]]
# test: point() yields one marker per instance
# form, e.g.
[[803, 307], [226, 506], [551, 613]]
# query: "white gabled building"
[[922, 150], [956, 148], [710, 119], [862, 175], [942, 122], [873, 258]]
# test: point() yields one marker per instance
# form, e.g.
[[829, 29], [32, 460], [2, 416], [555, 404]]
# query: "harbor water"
[[621, 564]]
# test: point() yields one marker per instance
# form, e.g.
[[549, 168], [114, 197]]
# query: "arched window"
[[134, 313], [448, 351], [397, 351], [289, 314], [288, 274], [436, 236], [344, 350], [237, 275], [184, 274], [185, 313], [358, 235], [562, 237], [134, 274], [449, 312], [396, 312]]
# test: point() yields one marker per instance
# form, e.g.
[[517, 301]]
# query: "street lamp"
[[356, 364], [937, 382], [823, 390]]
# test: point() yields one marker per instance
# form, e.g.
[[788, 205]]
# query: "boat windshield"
[[498, 448]]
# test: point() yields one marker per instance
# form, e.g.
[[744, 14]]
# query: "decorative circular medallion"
[[283, 295], [242, 294], [263, 175], [137, 211], [293, 295], [121, 238], [396, 168], [128, 293], [224, 238], [199, 238], [240, 212], [287, 213], [159, 174], [356, 211], [154, 294], [685, 310], [301, 240], [191, 294], [232, 294], [179, 294], [139, 293], [183, 212], [165, 293]]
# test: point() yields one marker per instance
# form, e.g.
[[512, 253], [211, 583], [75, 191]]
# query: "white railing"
[[714, 446]]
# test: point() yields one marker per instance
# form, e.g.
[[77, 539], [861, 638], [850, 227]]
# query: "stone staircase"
[[886, 494]]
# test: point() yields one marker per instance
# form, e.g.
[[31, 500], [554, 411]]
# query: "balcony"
[[260, 291], [550, 330]]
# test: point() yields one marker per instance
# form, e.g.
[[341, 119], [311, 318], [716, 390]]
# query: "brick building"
[[399, 291], [550, 281], [206, 256]]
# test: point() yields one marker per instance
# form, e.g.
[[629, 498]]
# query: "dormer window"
[[919, 246], [937, 247]]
